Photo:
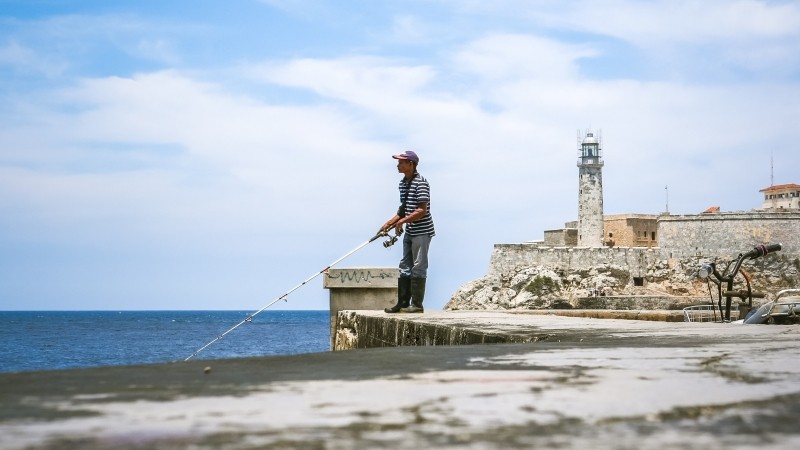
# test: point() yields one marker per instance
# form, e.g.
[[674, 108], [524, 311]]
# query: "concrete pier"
[[582, 383], [370, 329]]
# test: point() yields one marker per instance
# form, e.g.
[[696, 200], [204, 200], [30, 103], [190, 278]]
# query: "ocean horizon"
[[56, 340]]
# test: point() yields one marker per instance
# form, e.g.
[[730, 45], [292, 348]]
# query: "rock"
[[550, 286]]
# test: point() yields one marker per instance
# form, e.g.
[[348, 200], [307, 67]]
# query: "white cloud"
[[156, 49], [181, 153], [678, 37], [513, 56], [409, 28], [692, 22], [25, 60], [659, 21], [360, 80]]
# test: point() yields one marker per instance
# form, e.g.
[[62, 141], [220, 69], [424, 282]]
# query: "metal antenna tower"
[[771, 169]]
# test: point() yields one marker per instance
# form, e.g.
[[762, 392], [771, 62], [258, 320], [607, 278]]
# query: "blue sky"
[[212, 155]]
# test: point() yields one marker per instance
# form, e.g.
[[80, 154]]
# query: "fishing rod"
[[388, 243]]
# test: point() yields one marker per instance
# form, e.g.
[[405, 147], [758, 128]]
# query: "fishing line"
[[249, 318]]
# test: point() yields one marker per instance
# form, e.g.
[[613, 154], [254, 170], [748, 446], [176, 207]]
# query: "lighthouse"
[[590, 190]]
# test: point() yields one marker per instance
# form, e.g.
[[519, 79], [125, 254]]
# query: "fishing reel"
[[390, 242]]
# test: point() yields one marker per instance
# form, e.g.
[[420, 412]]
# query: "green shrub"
[[541, 285]]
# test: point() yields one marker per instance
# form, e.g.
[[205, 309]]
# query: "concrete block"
[[360, 288]]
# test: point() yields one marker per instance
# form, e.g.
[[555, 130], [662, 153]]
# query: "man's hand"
[[388, 225]]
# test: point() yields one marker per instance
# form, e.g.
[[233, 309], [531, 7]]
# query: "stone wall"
[[527, 276], [567, 237], [727, 234], [631, 230], [532, 276], [509, 258], [639, 302]]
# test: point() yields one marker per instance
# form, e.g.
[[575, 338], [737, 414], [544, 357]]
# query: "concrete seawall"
[[371, 329]]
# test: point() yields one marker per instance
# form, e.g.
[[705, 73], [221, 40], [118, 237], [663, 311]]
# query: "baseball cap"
[[408, 154]]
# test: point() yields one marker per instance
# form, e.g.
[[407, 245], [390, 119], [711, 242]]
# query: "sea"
[[54, 340]]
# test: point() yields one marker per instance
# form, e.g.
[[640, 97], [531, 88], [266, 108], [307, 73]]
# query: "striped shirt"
[[419, 191]]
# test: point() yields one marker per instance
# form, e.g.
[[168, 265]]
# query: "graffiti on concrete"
[[359, 276]]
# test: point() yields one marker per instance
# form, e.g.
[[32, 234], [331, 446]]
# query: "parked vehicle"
[[784, 310]]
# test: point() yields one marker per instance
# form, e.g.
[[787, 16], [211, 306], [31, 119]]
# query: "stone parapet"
[[727, 234], [510, 258], [363, 288], [639, 302]]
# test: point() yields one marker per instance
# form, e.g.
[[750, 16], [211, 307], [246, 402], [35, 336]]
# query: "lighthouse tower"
[[590, 190]]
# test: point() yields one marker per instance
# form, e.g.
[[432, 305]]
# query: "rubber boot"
[[417, 295], [403, 295]]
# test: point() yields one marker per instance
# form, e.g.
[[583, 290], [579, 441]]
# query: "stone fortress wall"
[[508, 259], [728, 234], [630, 230], [636, 255], [535, 276]]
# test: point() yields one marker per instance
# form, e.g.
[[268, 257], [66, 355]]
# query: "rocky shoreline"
[[666, 284]]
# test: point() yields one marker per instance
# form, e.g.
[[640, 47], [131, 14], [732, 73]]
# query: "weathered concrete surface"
[[370, 329], [613, 384]]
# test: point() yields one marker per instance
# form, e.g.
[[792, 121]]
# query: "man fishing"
[[415, 216]]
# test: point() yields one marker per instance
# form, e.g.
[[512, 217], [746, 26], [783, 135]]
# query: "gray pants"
[[415, 256]]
